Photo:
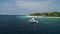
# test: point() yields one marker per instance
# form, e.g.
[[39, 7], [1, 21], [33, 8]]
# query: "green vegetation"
[[50, 14], [56, 14], [36, 14]]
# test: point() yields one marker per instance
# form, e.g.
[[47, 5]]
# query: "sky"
[[24, 7]]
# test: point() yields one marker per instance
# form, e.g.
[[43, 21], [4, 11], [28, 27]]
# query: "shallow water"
[[17, 24]]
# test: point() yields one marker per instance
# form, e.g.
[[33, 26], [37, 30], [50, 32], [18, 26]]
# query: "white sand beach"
[[41, 17]]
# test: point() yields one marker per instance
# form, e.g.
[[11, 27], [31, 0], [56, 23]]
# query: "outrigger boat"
[[33, 21]]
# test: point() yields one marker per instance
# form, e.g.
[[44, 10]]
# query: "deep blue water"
[[15, 24]]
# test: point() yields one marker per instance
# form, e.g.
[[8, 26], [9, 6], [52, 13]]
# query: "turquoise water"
[[17, 24]]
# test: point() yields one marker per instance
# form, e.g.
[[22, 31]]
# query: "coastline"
[[41, 17]]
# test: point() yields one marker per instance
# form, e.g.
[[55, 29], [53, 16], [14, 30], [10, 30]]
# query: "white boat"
[[33, 21]]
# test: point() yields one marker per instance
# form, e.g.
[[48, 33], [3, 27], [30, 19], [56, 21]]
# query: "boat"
[[33, 21]]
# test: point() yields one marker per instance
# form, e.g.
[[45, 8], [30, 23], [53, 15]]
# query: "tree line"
[[56, 14]]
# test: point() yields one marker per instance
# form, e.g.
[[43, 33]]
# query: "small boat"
[[33, 21]]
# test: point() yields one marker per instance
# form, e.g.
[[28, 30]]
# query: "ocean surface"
[[17, 24]]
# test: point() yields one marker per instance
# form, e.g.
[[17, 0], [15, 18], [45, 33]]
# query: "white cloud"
[[7, 4], [34, 6], [23, 7], [10, 9]]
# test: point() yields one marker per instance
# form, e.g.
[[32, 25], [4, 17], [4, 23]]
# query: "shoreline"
[[41, 17]]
